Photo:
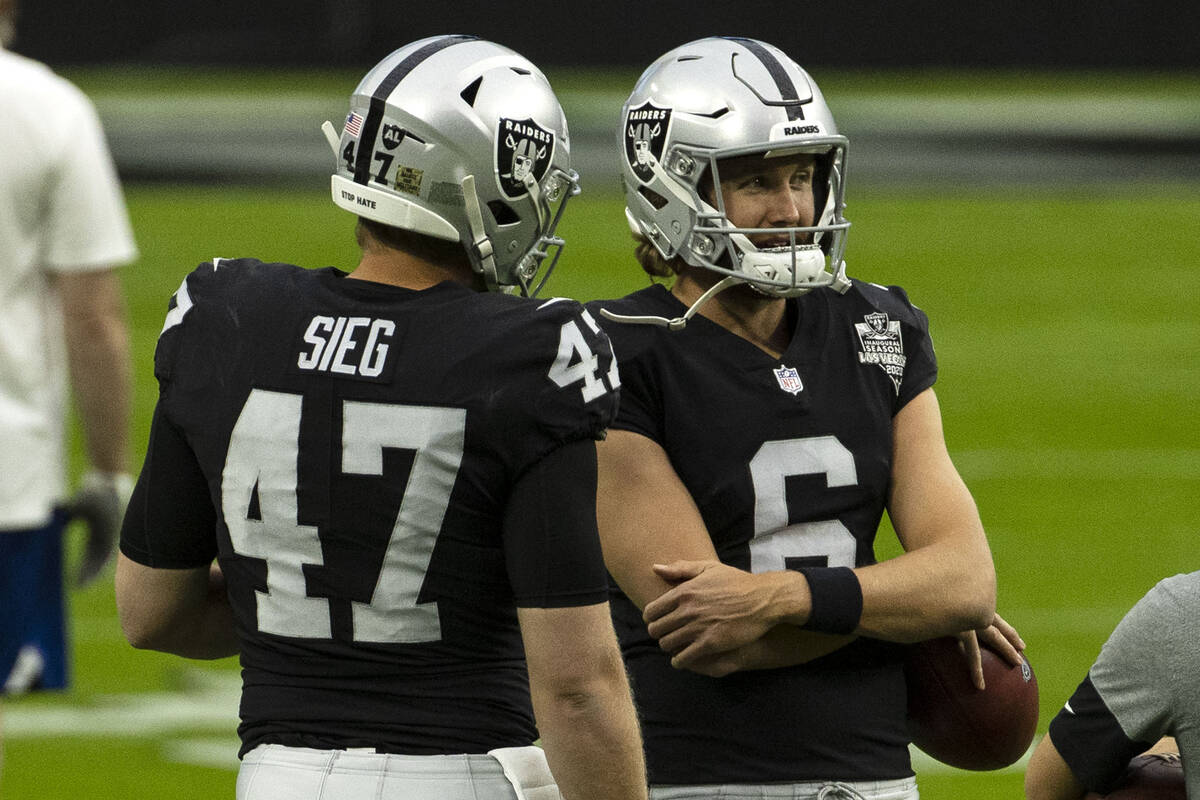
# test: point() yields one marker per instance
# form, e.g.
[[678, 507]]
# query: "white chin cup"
[[786, 272]]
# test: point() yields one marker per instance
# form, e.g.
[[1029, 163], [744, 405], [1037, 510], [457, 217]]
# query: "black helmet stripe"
[[787, 89], [362, 164]]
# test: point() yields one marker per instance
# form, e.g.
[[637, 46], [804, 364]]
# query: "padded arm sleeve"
[[551, 543]]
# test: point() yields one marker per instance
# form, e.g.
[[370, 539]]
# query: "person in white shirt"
[[64, 230]]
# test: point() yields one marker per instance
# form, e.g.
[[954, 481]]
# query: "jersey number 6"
[[778, 545]]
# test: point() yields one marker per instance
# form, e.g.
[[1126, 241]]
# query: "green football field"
[[1066, 331]]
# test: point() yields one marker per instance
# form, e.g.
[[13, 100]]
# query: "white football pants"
[[276, 772], [899, 789]]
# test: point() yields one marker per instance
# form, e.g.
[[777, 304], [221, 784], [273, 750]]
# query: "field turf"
[[1066, 331]]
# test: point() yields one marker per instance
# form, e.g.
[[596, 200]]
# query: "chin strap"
[[678, 323]]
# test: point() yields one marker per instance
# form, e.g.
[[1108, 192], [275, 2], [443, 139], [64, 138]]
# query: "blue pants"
[[33, 640]]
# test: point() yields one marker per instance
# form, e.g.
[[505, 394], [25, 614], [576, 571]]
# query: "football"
[[957, 724], [1150, 776]]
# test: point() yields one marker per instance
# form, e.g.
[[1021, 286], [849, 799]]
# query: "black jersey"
[[789, 462], [349, 451]]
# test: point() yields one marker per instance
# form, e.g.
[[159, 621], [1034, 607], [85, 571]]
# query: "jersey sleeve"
[[562, 383], [640, 409], [200, 325], [551, 542], [180, 320], [170, 522], [920, 360], [1125, 703], [920, 372]]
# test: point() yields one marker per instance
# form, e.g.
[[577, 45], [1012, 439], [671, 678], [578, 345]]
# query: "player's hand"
[[99, 502], [713, 608], [1001, 637], [718, 665]]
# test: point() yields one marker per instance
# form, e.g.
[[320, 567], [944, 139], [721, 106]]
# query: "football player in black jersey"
[[378, 488], [771, 410]]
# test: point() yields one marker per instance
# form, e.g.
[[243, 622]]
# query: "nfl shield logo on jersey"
[[523, 149], [789, 379]]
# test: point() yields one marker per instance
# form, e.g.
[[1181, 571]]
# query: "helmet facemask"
[[810, 259], [716, 99]]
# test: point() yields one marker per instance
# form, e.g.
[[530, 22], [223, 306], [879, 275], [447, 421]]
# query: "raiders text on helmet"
[[717, 98], [460, 139]]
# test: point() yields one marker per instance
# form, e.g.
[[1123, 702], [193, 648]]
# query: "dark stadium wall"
[[844, 33]]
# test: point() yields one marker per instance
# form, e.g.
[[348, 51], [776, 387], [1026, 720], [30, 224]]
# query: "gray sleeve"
[[1140, 667], [1150, 659], [1133, 694]]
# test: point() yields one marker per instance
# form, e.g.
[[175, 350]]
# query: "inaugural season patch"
[[882, 344], [645, 136], [523, 148]]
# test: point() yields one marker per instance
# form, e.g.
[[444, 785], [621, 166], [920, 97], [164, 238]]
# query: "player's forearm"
[[593, 743], [782, 646], [213, 634], [207, 634], [787, 645], [101, 378], [184, 612], [1048, 777], [939, 590]]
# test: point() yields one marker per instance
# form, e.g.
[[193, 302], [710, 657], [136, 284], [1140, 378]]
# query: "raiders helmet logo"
[[645, 136], [523, 149]]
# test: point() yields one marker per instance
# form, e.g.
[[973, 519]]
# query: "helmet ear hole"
[[502, 213], [652, 197]]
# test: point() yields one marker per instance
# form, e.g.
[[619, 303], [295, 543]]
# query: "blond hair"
[[653, 262]]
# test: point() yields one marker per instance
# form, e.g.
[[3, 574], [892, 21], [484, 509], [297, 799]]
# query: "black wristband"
[[837, 600]]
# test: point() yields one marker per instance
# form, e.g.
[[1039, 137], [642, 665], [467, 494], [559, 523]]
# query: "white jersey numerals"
[[262, 462], [774, 540], [576, 362], [262, 458]]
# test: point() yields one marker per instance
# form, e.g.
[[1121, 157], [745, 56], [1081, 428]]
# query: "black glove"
[[100, 503]]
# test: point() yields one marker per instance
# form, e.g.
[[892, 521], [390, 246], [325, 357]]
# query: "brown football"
[[1150, 776], [957, 724]]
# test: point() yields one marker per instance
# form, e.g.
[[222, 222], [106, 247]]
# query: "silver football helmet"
[[716, 98], [460, 139]]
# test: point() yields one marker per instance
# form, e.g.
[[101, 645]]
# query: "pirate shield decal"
[[645, 136], [523, 150]]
